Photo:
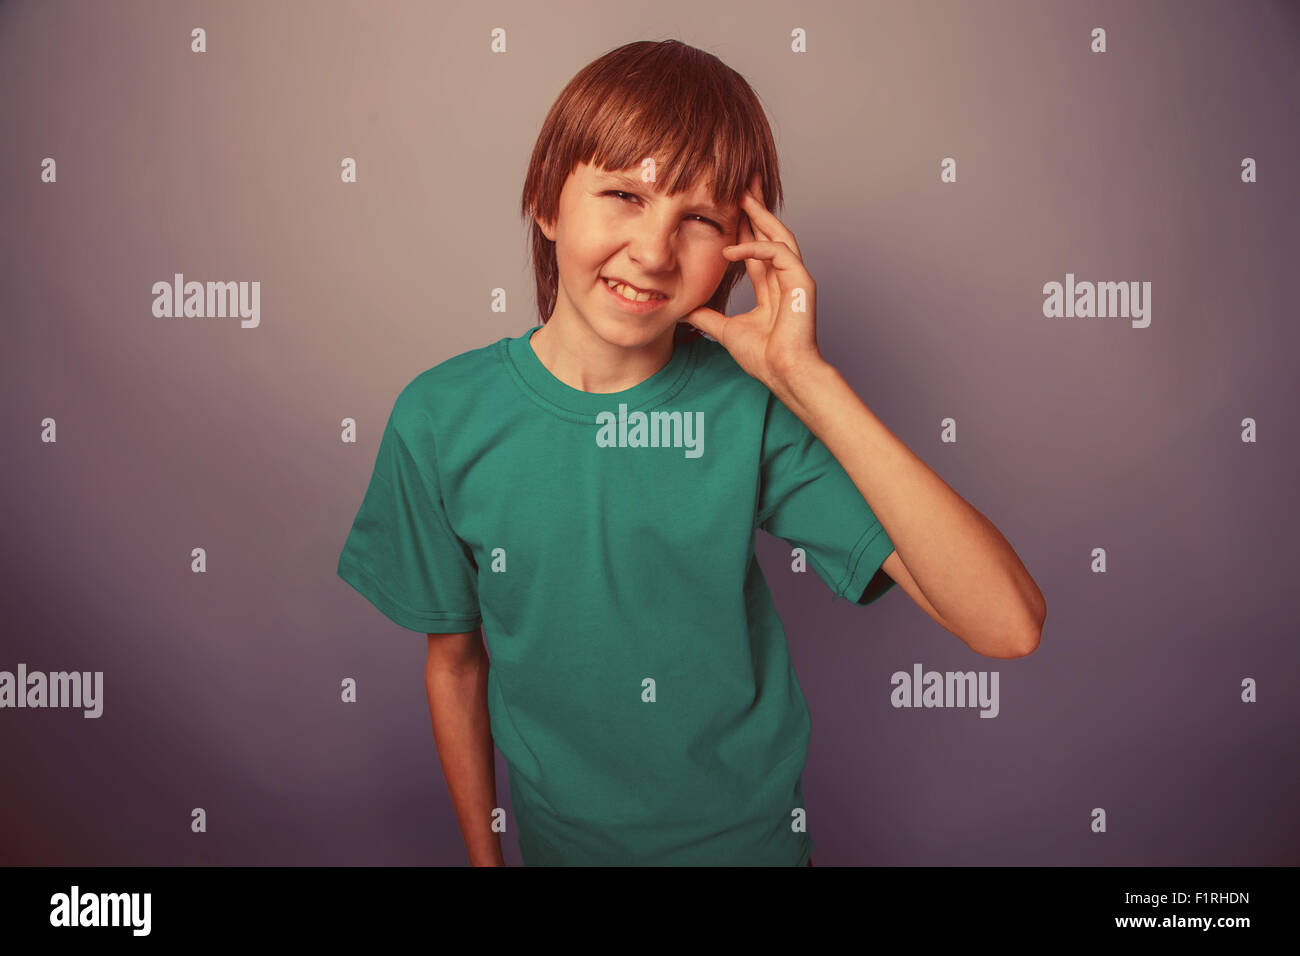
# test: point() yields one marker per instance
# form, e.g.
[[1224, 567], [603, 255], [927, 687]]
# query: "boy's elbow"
[[1034, 633], [1011, 640]]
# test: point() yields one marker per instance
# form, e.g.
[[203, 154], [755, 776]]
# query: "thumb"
[[705, 319]]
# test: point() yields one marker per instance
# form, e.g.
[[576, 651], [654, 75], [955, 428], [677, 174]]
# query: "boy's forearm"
[[963, 565], [463, 735]]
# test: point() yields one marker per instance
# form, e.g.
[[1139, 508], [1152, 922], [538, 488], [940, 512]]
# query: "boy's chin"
[[634, 330]]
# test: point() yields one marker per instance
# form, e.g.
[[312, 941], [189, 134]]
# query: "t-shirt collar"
[[578, 405]]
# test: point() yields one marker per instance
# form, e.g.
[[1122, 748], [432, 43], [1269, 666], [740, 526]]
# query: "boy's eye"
[[620, 194]]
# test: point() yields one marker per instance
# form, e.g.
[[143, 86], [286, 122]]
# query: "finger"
[[755, 203], [771, 282], [756, 270], [765, 222], [788, 272], [758, 233], [706, 320]]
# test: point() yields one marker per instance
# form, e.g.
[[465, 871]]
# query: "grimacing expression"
[[613, 225]]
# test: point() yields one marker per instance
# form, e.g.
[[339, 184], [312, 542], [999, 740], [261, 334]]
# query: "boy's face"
[[613, 225]]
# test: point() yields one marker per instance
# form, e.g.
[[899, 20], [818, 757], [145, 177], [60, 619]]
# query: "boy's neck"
[[586, 362]]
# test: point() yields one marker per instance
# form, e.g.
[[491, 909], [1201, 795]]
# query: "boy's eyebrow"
[[632, 183]]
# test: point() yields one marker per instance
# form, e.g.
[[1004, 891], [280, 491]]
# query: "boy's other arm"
[[455, 675]]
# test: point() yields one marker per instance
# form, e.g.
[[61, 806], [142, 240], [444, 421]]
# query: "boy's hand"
[[773, 340]]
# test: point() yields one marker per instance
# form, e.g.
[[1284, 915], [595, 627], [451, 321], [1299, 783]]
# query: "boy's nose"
[[652, 247]]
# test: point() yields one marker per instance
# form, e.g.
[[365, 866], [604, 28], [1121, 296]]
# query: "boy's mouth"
[[632, 293]]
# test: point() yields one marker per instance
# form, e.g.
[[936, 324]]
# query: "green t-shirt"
[[640, 686]]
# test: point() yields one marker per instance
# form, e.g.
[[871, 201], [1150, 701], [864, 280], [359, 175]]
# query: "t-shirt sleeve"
[[807, 499], [402, 554]]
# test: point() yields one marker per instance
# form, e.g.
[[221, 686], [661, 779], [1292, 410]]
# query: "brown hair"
[[695, 115]]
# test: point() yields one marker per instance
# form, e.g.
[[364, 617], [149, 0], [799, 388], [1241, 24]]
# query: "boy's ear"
[[548, 228]]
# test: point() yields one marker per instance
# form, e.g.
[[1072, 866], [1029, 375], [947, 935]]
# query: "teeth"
[[631, 294]]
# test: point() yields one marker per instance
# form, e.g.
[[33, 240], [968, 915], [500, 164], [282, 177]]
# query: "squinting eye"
[[620, 193]]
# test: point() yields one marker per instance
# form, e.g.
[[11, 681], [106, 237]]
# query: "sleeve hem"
[[867, 557], [426, 622]]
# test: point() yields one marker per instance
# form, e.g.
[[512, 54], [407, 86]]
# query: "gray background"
[[222, 689]]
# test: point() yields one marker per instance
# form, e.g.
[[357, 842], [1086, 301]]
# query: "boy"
[[588, 494]]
